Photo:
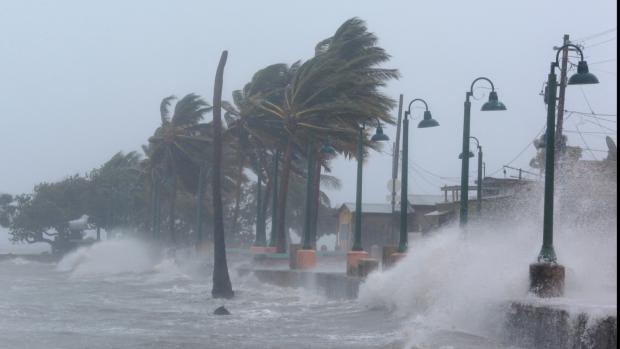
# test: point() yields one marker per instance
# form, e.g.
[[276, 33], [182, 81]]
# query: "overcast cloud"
[[82, 80]]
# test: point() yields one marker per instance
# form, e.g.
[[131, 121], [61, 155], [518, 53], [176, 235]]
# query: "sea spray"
[[108, 257], [464, 280]]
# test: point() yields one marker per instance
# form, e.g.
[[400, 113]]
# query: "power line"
[[589, 37], [584, 142], [597, 115], [603, 61], [590, 132], [605, 71], [601, 42], [583, 93], [597, 123]]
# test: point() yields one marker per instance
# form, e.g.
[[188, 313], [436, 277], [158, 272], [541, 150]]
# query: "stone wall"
[[330, 285], [546, 327]]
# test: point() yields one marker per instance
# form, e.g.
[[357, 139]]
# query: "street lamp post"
[[547, 276], [479, 186], [428, 121], [274, 201], [492, 104], [479, 189], [357, 251]]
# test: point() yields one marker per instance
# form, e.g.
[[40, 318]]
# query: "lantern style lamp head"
[[493, 104], [583, 75], [471, 155], [428, 121], [379, 136]]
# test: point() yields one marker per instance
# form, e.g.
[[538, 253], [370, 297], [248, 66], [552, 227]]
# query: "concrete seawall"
[[529, 324], [545, 326], [330, 285]]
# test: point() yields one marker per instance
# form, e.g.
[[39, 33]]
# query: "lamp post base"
[[366, 266], [547, 279], [396, 256], [386, 256], [306, 259], [353, 258]]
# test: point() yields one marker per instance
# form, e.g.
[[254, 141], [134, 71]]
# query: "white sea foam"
[[458, 280], [107, 257]]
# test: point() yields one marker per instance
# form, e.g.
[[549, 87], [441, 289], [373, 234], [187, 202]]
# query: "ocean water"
[[122, 294], [119, 294], [451, 291]]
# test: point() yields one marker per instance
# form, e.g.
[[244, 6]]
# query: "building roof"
[[425, 200], [373, 208], [437, 213]]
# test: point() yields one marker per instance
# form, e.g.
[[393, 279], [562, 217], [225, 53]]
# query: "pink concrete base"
[[395, 257], [262, 249], [306, 259], [353, 258]]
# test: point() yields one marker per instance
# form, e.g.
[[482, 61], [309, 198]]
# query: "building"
[[382, 227]]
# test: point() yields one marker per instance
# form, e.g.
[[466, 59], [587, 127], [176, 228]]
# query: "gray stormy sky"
[[81, 80]]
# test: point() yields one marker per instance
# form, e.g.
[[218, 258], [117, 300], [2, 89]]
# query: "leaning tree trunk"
[[173, 210], [200, 207], [235, 217], [316, 189], [282, 194], [222, 287]]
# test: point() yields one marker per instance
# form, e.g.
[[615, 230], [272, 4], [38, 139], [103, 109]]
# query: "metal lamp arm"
[[415, 100], [475, 139], [471, 88]]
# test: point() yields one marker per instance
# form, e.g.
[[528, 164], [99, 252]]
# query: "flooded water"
[[117, 294], [451, 291], [106, 298]]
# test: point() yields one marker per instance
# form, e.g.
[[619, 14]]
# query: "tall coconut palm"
[[222, 287], [176, 144], [336, 91]]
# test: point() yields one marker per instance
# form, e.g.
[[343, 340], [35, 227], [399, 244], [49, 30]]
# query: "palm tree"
[[222, 287], [176, 145], [252, 128], [332, 93]]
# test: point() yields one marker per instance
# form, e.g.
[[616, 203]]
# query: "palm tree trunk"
[[200, 206], [274, 198], [316, 189], [268, 182], [222, 287], [172, 210], [282, 194], [235, 218], [261, 239], [155, 207]]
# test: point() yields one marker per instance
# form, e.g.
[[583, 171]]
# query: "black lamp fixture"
[[379, 136]]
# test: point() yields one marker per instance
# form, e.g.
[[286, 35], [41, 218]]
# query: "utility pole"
[[395, 167], [559, 140]]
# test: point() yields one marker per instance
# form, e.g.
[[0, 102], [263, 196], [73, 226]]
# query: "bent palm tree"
[[334, 92], [176, 144]]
